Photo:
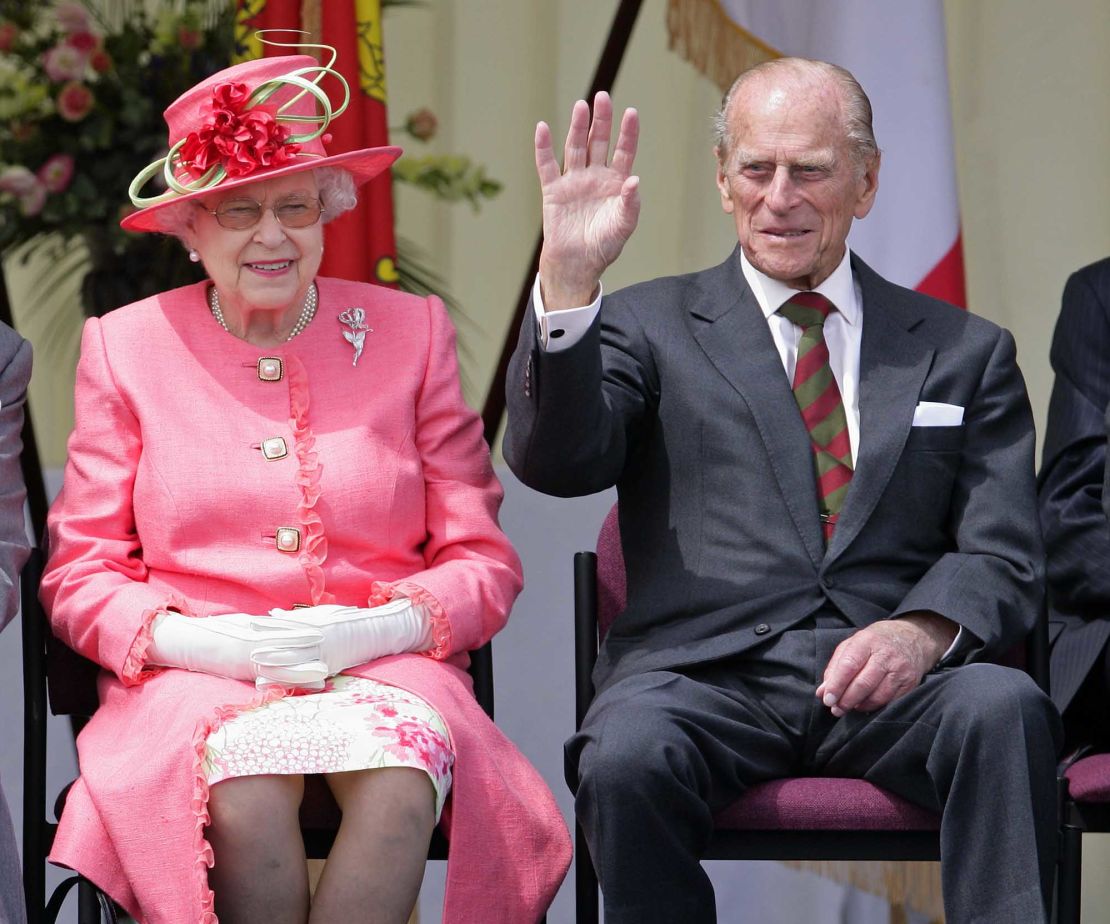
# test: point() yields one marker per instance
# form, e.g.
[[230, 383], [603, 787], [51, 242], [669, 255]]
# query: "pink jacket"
[[169, 501]]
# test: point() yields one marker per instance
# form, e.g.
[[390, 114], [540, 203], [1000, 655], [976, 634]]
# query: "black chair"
[[799, 818], [1084, 808], [54, 674]]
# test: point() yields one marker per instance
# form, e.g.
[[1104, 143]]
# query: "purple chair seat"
[[1089, 779], [824, 804]]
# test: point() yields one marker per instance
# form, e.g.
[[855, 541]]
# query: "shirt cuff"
[[956, 649], [560, 330]]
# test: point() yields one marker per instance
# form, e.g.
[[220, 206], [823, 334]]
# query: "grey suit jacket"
[[15, 371], [1071, 488], [678, 396]]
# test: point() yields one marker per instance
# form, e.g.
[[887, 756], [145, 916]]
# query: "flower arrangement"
[[81, 103]]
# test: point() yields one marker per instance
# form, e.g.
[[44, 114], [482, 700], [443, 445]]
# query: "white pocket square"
[[937, 414]]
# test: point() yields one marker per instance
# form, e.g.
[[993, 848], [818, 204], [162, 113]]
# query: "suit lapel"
[[729, 326], [893, 366]]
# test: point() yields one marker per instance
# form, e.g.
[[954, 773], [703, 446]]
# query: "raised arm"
[[590, 206]]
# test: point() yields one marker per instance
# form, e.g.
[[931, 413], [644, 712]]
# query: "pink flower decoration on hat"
[[242, 139], [74, 101], [56, 173]]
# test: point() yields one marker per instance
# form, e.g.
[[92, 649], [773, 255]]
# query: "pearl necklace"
[[308, 311]]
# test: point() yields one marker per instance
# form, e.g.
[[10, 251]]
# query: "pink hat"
[[253, 121]]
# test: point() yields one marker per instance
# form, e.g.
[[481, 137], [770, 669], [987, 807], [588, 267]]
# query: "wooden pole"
[[604, 78]]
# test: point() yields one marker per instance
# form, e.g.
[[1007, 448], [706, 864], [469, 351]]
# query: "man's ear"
[[723, 185], [869, 186]]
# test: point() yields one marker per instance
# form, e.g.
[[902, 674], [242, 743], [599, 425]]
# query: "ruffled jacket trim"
[[314, 546], [198, 804], [382, 592], [134, 670]]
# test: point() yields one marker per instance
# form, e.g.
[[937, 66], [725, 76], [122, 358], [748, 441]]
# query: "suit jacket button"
[[762, 629]]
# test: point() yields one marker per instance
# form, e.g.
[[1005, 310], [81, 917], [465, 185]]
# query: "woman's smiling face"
[[266, 267]]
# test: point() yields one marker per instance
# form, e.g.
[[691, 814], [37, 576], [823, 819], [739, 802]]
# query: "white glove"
[[354, 635], [240, 646]]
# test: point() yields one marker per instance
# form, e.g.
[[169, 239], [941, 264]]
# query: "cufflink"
[[274, 448], [287, 539], [270, 369]]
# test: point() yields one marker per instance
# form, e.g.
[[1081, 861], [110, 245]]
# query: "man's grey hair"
[[857, 107], [335, 188]]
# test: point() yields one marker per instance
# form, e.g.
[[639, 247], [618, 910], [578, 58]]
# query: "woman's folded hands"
[[241, 646], [297, 648], [354, 635]]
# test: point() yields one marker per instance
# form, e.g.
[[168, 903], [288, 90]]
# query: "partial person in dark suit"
[[1073, 506], [15, 372], [808, 592]]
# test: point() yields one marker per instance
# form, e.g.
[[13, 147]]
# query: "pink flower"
[[101, 61], [31, 202], [72, 16], [422, 124], [9, 32], [87, 42], [75, 101], [17, 180], [64, 62], [25, 187], [240, 139], [56, 173]]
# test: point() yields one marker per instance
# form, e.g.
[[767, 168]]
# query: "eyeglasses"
[[293, 212]]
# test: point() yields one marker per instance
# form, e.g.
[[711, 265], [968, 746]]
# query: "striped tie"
[[822, 409]]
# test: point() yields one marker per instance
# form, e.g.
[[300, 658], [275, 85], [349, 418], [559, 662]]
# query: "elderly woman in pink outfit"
[[278, 537]]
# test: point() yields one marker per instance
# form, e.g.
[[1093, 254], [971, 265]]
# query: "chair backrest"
[[612, 594], [612, 581]]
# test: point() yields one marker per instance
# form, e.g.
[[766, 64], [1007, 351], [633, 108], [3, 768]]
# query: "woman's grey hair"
[[857, 107], [335, 187]]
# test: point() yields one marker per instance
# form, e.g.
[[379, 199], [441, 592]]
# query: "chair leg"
[[1071, 875], [88, 903], [585, 881]]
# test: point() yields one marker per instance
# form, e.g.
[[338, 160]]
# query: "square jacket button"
[[274, 448], [288, 539], [270, 369]]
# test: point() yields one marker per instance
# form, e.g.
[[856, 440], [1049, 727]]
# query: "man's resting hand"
[[884, 661]]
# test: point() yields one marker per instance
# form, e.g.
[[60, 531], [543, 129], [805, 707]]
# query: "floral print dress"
[[353, 724]]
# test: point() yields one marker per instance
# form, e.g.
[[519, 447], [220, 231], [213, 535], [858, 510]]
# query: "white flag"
[[897, 52]]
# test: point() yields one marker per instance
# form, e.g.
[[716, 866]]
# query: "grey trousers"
[[12, 908], [661, 752]]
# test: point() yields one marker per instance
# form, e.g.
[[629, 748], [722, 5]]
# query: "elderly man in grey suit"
[[15, 371], [826, 504]]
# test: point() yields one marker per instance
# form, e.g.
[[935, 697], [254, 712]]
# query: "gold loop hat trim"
[[253, 121]]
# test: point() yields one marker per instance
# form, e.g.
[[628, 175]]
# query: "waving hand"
[[590, 207]]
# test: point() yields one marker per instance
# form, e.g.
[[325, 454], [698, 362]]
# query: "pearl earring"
[[194, 257]]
